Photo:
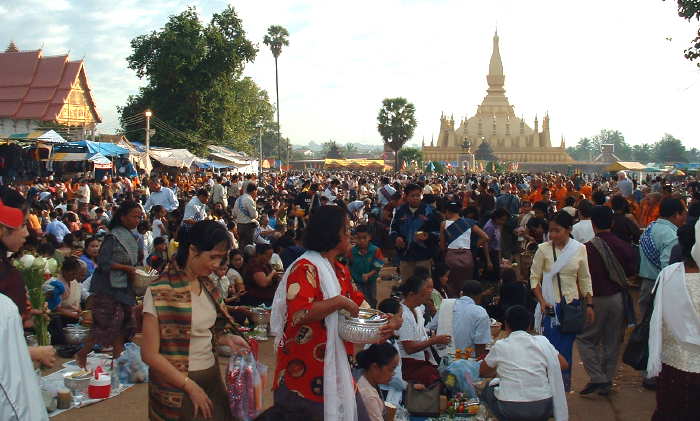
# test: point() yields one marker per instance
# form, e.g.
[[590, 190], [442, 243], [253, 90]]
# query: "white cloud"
[[596, 65]]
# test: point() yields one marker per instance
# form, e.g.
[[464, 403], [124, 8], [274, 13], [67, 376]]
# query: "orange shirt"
[[587, 191], [536, 196], [34, 223], [560, 195]]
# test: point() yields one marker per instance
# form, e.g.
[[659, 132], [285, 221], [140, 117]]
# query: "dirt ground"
[[629, 401]]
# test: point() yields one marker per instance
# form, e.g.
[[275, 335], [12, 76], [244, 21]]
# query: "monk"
[[649, 209]]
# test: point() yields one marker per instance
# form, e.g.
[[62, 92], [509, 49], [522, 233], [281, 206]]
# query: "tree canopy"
[[689, 9], [332, 150], [411, 154], [396, 124], [484, 152], [666, 149], [195, 88]]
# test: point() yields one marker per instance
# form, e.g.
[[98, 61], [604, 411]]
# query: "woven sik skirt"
[[677, 395]]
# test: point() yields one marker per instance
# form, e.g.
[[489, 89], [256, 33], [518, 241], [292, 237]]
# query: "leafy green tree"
[[332, 150], [485, 152], [411, 154], [396, 124], [692, 155], [669, 149], [276, 38], [350, 149], [269, 141], [195, 88], [689, 9], [643, 153]]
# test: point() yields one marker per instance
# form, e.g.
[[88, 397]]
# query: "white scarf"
[[571, 248], [556, 383], [672, 306], [445, 320], [338, 391]]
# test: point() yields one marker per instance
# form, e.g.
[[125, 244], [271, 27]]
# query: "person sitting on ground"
[[396, 386], [462, 318], [378, 363], [524, 359]]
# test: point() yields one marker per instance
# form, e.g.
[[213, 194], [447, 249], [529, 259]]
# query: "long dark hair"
[[204, 236], [380, 354], [121, 211], [323, 232]]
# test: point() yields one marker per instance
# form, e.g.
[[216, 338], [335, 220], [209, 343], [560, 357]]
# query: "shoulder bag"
[[636, 353], [572, 316]]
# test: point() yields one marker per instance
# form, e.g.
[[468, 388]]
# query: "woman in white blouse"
[[674, 334], [417, 361], [571, 272]]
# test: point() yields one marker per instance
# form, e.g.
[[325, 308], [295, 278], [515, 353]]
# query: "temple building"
[[38, 91], [510, 137]]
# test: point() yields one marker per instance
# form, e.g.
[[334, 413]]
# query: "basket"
[[143, 279]]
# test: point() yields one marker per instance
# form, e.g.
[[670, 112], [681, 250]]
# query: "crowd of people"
[[556, 259]]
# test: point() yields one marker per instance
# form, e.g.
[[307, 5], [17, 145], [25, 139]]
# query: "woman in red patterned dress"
[[304, 319]]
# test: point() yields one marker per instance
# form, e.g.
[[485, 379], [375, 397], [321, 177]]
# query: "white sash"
[[672, 306], [556, 383], [338, 391], [569, 251], [445, 320]]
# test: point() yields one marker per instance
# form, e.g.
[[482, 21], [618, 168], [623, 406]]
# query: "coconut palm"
[[276, 38]]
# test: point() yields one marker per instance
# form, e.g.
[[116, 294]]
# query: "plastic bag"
[[130, 366], [245, 381], [459, 376]]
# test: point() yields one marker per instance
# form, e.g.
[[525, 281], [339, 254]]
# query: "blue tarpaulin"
[[105, 148], [212, 165]]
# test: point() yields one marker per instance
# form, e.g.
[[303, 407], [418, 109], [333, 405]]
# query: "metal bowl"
[[261, 316], [77, 385], [75, 334], [364, 329]]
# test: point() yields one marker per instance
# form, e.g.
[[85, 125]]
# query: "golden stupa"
[[511, 139]]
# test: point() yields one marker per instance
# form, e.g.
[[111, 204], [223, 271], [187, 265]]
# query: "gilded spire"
[[12, 48], [495, 78]]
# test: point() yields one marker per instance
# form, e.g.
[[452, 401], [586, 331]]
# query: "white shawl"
[[672, 306], [445, 321], [571, 248], [338, 390], [556, 383]]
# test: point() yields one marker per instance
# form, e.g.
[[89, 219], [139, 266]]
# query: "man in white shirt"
[[582, 231], [196, 208], [530, 385], [246, 214], [20, 396], [161, 196], [218, 193], [331, 191], [83, 192], [385, 192]]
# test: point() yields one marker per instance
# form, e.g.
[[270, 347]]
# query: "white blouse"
[[461, 242], [575, 275], [685, 357], [413, 329]]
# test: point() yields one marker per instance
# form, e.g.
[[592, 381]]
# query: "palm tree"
[[276, 38], [396, 124]]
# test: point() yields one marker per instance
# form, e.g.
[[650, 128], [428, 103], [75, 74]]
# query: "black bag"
[[423, 403], [572, 316], [636, 353]]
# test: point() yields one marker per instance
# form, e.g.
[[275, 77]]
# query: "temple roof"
[[36, 87]]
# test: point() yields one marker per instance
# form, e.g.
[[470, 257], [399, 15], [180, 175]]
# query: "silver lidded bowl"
[[75, 334], [77, 385], [261, 316], [364, 329]]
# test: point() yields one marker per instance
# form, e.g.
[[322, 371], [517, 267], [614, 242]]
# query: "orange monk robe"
[[560, 195], [536, 196], [587, 191]]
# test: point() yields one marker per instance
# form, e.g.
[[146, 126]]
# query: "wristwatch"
[[590, 305]]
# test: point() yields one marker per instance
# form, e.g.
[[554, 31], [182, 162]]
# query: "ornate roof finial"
[[12, 48], [495, 78]]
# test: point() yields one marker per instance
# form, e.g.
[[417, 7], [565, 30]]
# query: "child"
[[63, 298], [366, 260], [158, 259], [493, 254]]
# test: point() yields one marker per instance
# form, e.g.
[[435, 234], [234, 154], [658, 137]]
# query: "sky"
[[592, 65]]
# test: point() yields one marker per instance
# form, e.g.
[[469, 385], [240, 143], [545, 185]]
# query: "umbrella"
[[676, 171]]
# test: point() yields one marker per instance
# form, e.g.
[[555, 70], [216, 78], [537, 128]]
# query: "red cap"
[[11, 217]]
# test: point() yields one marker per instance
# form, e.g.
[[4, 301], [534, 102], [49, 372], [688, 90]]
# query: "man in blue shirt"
[[56, 227], [161, 196], [656, 243], [471, 325], [415, 229]]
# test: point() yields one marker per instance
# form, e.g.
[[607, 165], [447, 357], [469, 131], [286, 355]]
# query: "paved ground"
[[628, 402]]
